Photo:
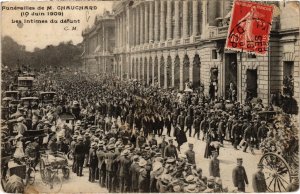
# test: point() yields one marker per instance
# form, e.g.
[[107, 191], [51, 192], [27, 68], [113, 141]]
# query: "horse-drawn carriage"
[[280, 154], [50, 164]]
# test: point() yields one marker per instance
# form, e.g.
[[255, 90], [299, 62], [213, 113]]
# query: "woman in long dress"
[[19, 152]]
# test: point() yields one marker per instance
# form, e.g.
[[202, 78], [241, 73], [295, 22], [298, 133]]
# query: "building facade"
[[170, 42], [98, 43]]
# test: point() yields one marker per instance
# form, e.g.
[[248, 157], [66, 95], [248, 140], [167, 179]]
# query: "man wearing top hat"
[[258, 180], [239, 176]]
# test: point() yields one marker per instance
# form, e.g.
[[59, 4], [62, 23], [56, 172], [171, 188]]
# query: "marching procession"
[[116, 125]]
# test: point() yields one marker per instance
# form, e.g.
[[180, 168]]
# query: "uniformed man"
[[153, 141], [239, 176], [79, 156], [262, 132], [190, 154], [214, 165], [236, 133], [249, 137], [124, 172], [140, 140], [258, 180], [170, 150], [163, 145]]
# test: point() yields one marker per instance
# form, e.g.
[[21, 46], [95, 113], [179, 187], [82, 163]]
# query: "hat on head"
[[177, 188], [75, 102], [94, 144], [170, 160], [191, 188], [165, 178], [211, 179], [27, 142], [80, 138], [142, 162], [18, 136], [156, 166], [147, 148], [218, 181], [20, 119], [239, 159], [36, 138], [190, 179], [125, 152], [263, 122]]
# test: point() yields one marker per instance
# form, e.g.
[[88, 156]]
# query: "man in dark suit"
[[124, 172], [239, 176], [188, 121], [101, 163], [80, 151]]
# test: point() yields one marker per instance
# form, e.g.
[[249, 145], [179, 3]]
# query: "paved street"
[[227, 162]]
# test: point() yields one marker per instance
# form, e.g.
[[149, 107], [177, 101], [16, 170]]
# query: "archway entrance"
[[150, 71], [155, 70], [186, 70], [230, 73], [196, 71], [251, 83], [169, 71], [162, 72], [176, 72]]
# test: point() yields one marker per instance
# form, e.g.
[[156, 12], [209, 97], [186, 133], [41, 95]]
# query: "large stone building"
[[170, 42], [98, 44]]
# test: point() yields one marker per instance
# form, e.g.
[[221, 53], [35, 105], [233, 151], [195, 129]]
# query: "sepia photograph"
[[150, 96]]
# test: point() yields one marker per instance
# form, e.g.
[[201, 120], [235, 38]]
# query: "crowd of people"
[[116, 129]]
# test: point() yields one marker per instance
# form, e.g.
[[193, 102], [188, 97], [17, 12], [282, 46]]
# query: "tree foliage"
[[65, 54]]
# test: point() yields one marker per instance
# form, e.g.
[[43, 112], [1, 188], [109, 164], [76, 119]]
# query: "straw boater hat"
[[142, 162]]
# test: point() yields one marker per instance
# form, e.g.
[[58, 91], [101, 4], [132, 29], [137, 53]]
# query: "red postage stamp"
[[250, 27]]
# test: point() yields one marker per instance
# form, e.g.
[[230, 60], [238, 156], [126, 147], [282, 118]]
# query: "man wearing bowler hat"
[[239, 176], [258, 180]]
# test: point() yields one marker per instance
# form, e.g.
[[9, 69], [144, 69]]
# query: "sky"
[[34, 35]]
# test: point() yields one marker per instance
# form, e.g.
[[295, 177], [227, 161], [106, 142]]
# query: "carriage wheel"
[[277, 172], [70, 155], [56, 184], [43, 171], [30, 176]]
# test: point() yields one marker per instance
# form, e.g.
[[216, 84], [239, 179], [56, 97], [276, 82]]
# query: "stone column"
[[169, 20], [177, 21], [133, 27], [156, 20], [204, 18], [122, 29], [117, 32], [185, 26], [212, 12], [137, 29], [142, 24], [146, 23], [195, 17], [151, 29], [162, 21]]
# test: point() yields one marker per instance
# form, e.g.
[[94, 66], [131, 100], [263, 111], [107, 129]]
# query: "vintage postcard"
[[150, 96]]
